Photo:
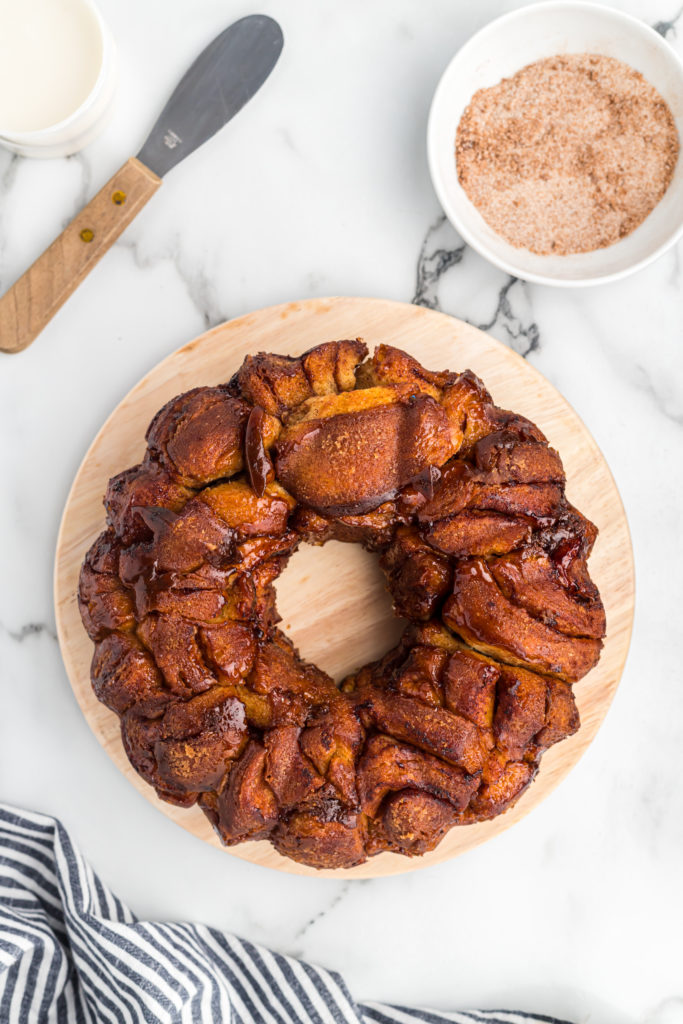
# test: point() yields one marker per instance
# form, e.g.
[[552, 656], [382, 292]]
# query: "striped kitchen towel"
[[71, 951]]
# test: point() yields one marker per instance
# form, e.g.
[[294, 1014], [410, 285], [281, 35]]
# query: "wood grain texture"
[[33, 300], [331, 599]]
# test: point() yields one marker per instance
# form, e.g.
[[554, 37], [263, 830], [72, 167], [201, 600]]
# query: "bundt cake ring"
[[465, 507]]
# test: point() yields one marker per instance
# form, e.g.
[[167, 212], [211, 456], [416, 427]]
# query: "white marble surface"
[[321, 187]]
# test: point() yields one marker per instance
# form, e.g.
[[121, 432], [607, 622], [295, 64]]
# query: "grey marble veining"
[[443, 249], [28, 630], [320, 186]]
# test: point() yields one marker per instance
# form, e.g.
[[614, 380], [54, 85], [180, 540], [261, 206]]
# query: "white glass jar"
[[57, 75]]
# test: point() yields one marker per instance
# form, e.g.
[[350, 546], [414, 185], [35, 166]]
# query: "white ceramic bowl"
[[86, 122], [498, 51]]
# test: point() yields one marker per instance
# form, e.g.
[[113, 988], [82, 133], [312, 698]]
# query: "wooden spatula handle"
[[35, 298]]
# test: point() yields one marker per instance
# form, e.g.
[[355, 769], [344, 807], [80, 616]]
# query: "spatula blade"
[[222, 79]]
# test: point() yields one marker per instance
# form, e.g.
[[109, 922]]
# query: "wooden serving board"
[[332, 600]]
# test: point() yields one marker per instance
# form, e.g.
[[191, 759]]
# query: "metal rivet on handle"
[[87, 235], [119, 198]]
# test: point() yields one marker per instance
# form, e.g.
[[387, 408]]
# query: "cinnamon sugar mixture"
[[569, 155]]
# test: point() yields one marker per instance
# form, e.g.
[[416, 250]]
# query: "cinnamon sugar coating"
[[568, 155]]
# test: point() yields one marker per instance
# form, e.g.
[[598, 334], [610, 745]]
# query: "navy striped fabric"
[[71, 951]]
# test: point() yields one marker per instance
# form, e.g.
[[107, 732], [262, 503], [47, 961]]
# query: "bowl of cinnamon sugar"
[[553, 143]]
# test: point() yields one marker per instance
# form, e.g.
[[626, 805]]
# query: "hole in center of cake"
[[335, 607]]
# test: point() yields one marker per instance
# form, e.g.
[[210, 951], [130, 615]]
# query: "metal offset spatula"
[[222, 79]]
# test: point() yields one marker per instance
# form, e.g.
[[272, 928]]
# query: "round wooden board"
[[331, 599]]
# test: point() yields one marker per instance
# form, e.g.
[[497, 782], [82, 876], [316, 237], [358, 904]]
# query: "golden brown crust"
[[198, 436], [480, 612], [464, 504], [350, 462]]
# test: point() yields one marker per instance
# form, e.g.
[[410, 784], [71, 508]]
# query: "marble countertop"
[[321, 187]]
